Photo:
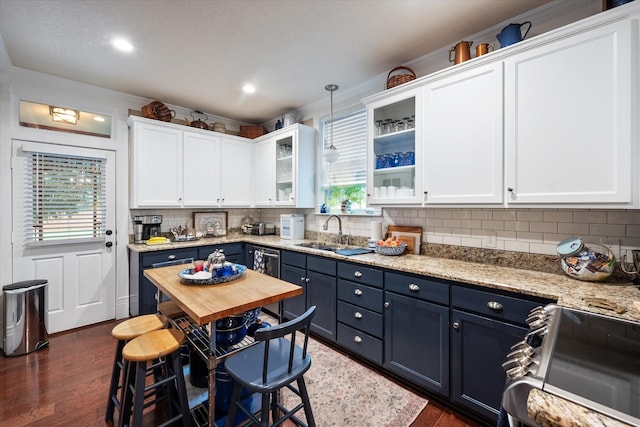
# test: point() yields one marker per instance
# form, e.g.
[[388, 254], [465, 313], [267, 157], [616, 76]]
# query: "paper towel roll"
[[376, 230]]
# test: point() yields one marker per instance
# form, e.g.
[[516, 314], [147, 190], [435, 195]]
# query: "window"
[[65, 198], [346, 178]]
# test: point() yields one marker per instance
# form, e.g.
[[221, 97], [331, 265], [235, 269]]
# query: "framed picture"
[[210, 224]]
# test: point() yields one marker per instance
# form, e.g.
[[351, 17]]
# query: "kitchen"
[[511, 232]]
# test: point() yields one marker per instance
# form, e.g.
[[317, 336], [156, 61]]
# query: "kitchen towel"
[[376, 230]]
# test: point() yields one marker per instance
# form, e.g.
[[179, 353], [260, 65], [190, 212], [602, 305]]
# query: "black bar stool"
[[125, 332], [163, 347]]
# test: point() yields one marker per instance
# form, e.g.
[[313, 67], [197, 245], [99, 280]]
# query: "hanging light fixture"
[[331, 153]]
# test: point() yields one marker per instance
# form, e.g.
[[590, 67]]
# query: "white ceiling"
[[198, 53]]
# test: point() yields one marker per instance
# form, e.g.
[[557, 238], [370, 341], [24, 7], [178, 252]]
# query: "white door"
[[64, 232]]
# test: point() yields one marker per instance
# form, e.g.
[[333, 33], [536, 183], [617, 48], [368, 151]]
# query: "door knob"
[[108, 232], [108, 244]]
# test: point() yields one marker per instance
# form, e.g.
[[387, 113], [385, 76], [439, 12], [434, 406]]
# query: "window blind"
[[350, 138], [65, 198]]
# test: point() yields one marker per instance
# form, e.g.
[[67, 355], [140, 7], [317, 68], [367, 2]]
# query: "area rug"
[[344, 392]]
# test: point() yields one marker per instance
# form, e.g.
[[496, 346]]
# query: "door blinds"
[[65, 197]]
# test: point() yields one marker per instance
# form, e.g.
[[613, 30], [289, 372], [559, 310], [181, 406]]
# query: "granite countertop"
[[567, 291], [547, 409]]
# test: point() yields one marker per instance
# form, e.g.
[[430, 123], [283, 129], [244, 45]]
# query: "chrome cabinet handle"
[[357, 315], [413, 287], [358, 292], [306, 280], [494, 305], [302, 279], [171, 257], [357, 274], [387, 304], [357, 339], [456, 325]]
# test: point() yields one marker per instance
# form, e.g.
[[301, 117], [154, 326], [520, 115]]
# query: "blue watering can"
[[512, 34]]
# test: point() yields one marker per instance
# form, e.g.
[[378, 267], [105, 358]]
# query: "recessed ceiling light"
[[249, 88], [122, 44]]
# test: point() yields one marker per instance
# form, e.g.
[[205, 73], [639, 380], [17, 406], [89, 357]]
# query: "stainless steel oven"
[[587, 358], [267, 261]]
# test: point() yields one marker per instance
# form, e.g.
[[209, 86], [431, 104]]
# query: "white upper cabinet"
[[173, 166], [284, 172], [394, 126], [155, 157], [462, 138], [569, 117]]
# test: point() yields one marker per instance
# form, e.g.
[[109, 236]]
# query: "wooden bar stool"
[[163, 347], [125, 332]]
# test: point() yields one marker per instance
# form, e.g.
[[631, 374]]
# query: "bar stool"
[[125, 332], [161, 346]]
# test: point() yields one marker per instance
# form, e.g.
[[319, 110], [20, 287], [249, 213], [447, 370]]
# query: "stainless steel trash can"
[[24, 311]]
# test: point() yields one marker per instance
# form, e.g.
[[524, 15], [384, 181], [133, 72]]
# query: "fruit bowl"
[[391, 250]]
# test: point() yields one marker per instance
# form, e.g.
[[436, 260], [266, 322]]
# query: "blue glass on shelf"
[[395, 159], [408, 158]]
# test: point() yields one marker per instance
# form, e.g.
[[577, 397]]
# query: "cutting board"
[[412, 236]]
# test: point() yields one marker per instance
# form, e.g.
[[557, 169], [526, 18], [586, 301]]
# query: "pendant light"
[[331, 153]]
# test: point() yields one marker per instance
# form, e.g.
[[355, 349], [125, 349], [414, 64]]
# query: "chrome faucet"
[[326, 226]]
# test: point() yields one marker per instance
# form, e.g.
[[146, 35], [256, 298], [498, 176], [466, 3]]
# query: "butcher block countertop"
[[565, 290]]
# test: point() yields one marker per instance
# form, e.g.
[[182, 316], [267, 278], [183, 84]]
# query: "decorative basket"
[[398, 79], [252, 131], [158, 111], [391, 250]]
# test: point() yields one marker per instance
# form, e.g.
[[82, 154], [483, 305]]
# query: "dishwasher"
[[267, 261]]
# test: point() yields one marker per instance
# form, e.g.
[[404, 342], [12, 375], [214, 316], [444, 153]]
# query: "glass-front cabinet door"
[[285, 169], [394, 128]]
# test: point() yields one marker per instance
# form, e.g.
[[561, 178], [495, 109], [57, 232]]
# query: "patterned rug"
[[345, 393]]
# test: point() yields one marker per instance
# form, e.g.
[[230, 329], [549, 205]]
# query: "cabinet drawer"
[[360, 318], [359, 342], [231, 250], [360, 295], [358, 273], [295, 259], [321, 265], [165, 256], [417, 286], [505, 307]]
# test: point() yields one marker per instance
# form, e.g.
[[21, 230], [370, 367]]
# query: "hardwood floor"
[[67, 384]]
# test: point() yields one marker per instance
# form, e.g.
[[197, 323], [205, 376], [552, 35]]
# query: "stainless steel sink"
[[314, 245]]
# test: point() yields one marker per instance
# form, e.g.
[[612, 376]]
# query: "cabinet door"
[[321, 292], [264, 173], [295, 306], [462, 145], [416, 341], [568, 119], [479, 347], [392, 174], [201, 170], [236, 173], [285, 153], [156, 166]]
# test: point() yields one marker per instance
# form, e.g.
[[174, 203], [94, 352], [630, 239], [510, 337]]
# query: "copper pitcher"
[[483, 48], [462, 52]]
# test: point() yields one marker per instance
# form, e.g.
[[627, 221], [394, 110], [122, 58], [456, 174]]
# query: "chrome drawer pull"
[[171, 257], [357, 274], [358, 292], [357, 315], [494, 305], [413, 287], [357, 339]]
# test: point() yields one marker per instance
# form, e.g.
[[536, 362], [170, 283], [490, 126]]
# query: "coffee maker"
[[145, 227]]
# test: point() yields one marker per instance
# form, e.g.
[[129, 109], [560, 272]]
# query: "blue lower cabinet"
[[479, 346], [416, 341]]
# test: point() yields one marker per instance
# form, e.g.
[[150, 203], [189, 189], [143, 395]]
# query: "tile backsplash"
[[534, 231]]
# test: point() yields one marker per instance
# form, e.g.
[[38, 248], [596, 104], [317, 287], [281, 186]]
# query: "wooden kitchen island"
[[192, 307]]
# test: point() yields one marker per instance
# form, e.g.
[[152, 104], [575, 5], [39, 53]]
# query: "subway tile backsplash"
[[534, 231]]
